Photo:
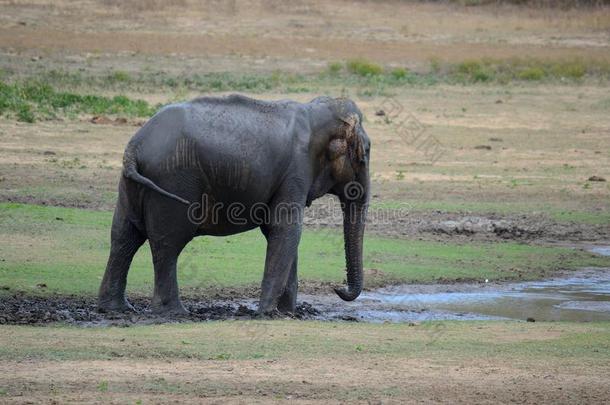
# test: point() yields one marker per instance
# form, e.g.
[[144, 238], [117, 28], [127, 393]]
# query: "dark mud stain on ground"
[[22, 310]]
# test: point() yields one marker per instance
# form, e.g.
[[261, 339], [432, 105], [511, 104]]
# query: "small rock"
[[49, 153], [380, 113], [530, 320], [596, 178], [498, 101], [35, 58], [41, 285], [22, 23], [483, 147], [494, 139]]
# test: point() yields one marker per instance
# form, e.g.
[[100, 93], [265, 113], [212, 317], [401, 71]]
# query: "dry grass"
[[384, 32], [307, 361]]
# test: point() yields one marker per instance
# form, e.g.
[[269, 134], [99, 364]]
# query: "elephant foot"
[[275, 313], [286, 305], [105, 305], [287, 308], [169, 309]]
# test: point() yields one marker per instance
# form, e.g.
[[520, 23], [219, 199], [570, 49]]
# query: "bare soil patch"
[[379, 380], [308, 32]]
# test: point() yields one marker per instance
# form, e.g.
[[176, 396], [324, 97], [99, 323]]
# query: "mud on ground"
[[82, 311]]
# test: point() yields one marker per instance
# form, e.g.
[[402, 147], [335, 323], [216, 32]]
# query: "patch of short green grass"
[[526, 69], [65, 249], [32, 99], [363, 67]]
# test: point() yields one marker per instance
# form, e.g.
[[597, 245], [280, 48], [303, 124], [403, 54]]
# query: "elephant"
[[213, 154]]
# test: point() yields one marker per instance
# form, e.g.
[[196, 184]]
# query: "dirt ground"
[[403, 381], [308, 33]]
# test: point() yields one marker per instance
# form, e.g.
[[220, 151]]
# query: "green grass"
[[363, 67], [565, 343], [33, 99], [526, 69], [66, 249]]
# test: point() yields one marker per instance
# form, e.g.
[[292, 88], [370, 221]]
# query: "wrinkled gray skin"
[[237, 150]]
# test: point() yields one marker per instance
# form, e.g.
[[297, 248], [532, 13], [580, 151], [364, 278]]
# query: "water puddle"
[[600, 250], [581, 297]]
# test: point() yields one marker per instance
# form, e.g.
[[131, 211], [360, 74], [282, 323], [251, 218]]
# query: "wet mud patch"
[[82, 311]]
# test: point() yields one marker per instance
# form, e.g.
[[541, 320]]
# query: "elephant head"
[[342, 149]]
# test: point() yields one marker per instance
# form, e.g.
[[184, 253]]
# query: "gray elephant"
[[220, 166]]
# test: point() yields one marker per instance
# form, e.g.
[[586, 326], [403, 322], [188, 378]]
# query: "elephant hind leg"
[[126, 239]]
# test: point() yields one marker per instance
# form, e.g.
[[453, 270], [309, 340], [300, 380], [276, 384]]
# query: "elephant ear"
[[338, 157], [345, 150], [355, 148]]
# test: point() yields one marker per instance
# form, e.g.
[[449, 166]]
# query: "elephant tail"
[[130, 171]]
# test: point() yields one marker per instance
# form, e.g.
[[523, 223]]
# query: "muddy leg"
[[282, 247], [288, 301], [166, 296], [126, 240]]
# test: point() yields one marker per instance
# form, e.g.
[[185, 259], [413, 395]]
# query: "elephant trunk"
[[354, 218]]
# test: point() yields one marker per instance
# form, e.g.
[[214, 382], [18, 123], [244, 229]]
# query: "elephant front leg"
[[288, 300], [166, 296], [279, 286]]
